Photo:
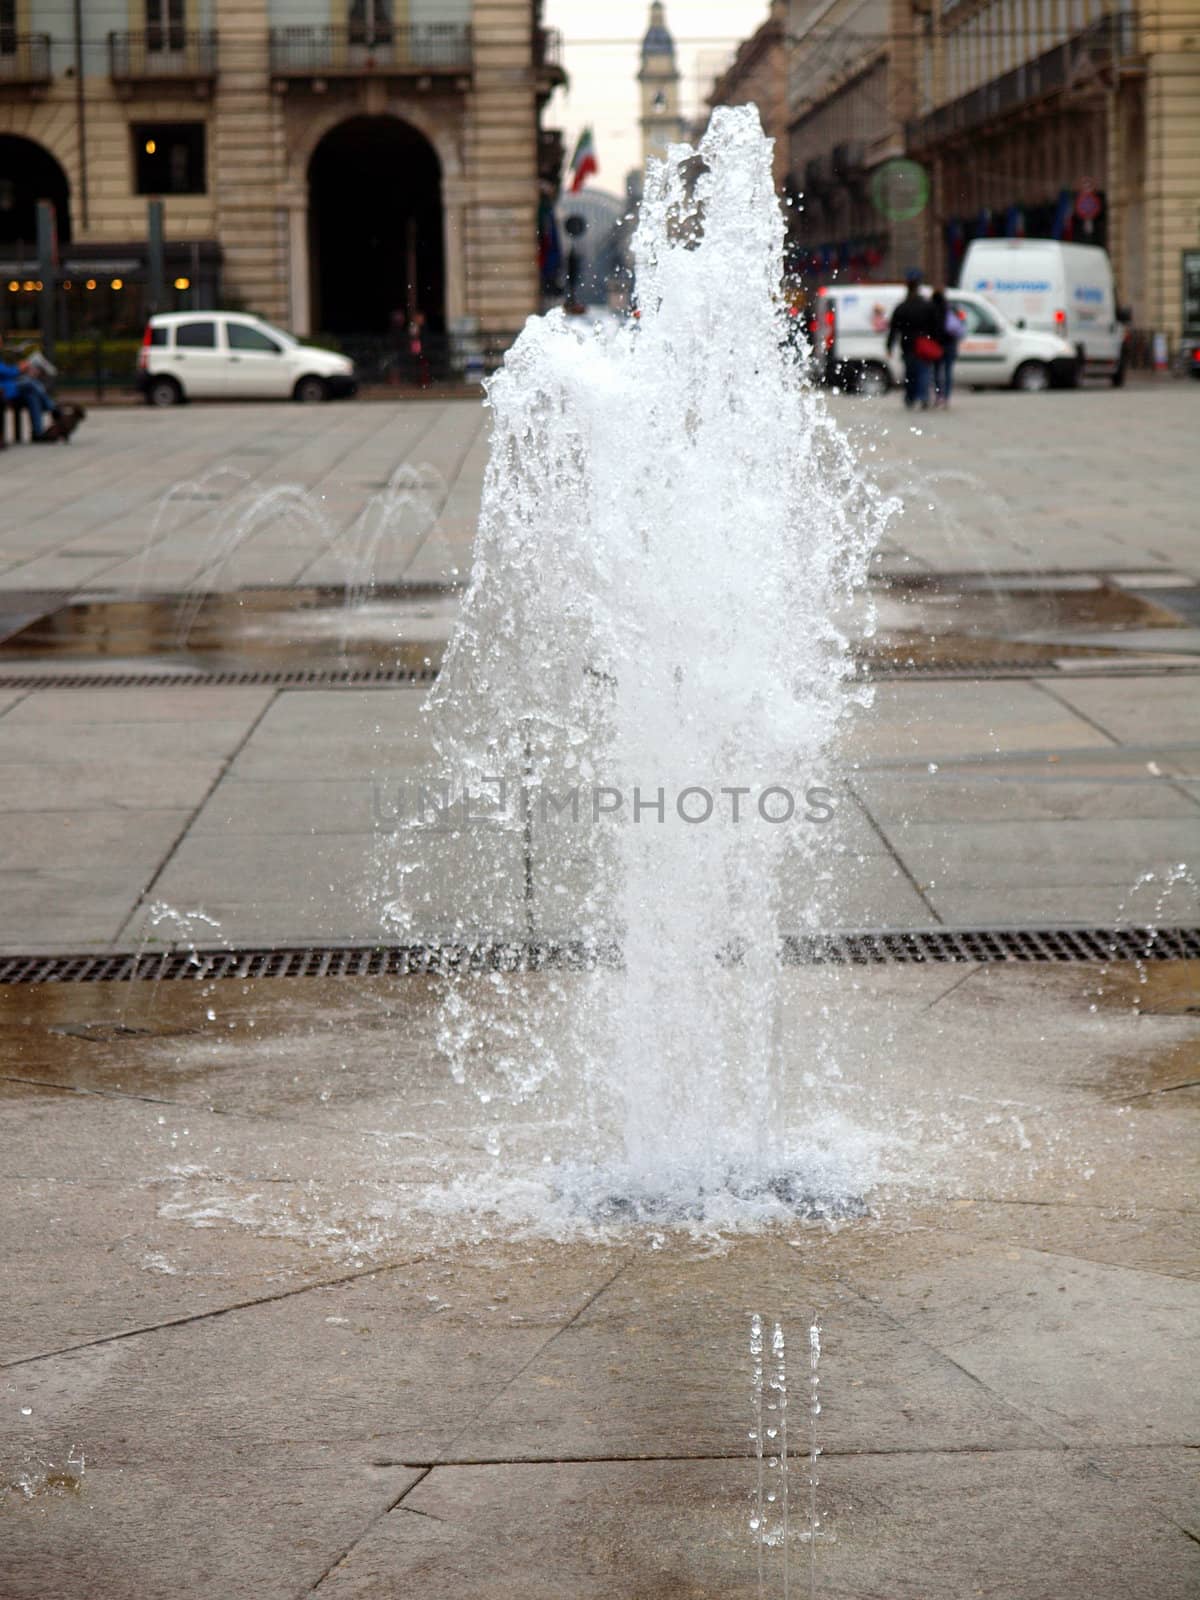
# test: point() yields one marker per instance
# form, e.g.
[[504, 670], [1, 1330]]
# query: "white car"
[[1052, 287], [225, 355], [849, 333]]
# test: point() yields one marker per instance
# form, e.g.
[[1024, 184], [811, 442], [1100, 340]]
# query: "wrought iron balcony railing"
[[547, 48], [24, 58], [1105, 44], [366, 48], [161, 54]]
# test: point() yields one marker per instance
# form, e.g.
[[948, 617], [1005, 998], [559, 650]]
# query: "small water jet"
[[654, 640]]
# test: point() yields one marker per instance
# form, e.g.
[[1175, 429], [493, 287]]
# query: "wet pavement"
[[277, 629], [275, 1323], [247, 1353]]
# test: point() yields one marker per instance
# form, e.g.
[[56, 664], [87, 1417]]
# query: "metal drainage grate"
[[1080, 666], [283, 678], [357, 961]]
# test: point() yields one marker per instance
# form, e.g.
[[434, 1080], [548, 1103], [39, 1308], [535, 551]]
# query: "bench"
[[13, 415]]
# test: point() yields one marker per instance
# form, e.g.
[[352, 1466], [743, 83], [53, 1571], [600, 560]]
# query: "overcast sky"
[[601, 56]]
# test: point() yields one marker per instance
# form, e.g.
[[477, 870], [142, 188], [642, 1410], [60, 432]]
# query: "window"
[[158, 335], [8, 27], [242, 337], [169, 157], [196, 336], [165, 25], [370, 22], [975, 319]]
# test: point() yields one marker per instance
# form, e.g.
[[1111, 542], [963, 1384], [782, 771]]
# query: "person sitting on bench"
[[20, 386]]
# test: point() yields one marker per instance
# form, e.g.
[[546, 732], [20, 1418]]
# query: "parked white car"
[[226, 355], [1065, 289], [849, 332]]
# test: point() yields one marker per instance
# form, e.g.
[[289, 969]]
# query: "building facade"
[[757, 75], [340, 166], [1072, 119], [918, 125]]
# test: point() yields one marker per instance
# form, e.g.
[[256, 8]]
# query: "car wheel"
[[310, 391], [163, 392], [1032, 377], [872, 380]]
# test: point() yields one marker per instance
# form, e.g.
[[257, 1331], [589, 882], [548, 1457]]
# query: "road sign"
[[1088, 206]]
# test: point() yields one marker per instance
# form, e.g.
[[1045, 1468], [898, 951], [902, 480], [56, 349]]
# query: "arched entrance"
[[29, 173], [375, 229]]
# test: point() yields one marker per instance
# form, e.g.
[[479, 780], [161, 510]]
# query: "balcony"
[[1098, 52], [24, 60], [548, 68], [425, 50], [165, 55]]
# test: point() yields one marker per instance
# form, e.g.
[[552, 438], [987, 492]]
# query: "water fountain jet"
[[672, 531]]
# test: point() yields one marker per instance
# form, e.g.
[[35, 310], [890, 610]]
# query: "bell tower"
[[658, 77]]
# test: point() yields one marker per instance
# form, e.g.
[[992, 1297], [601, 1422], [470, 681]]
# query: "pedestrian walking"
[[951, 323], [913, 327]]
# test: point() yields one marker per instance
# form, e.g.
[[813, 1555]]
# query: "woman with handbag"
[[914, 327], [950, 322]]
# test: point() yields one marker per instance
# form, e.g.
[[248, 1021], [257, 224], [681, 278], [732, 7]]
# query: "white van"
[[226, 355], [849, 334], [1054, 287]]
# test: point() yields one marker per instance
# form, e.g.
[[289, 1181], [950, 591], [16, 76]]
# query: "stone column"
[[295, 202], [454, 204]]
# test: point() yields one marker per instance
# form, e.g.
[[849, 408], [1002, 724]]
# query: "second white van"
[[1054, 287]]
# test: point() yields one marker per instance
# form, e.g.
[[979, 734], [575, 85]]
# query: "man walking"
[[912, 325]]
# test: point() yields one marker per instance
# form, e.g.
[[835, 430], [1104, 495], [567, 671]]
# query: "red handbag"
[[927, 349]]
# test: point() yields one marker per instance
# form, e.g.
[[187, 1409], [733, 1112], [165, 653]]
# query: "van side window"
[[196, 336], [160, 336], [977, 320]]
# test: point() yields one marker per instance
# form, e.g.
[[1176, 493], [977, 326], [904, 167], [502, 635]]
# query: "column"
[[299, 283]]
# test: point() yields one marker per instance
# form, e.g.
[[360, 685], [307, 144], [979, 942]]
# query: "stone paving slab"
[[220, 1293], [924, 1528]]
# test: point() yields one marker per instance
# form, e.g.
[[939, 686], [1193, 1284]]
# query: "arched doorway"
[[29, 173], [375, 228]]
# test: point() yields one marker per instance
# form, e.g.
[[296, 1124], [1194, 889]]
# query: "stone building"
[[917, 125], [844, 128], [1074, 119], [336, 165], [758, 76]]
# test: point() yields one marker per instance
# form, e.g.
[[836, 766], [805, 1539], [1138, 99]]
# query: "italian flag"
[[583, 162]]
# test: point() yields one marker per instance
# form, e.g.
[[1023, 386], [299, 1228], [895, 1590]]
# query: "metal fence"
[[162, 53], [425, 46], [24, 57]]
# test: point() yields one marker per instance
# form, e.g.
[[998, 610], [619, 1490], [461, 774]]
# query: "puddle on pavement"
[[224, 1044], [1148, 1080], [922, 621], [250, 629], [1155, 988]]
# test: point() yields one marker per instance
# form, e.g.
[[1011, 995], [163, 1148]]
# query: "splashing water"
[[671, 534]]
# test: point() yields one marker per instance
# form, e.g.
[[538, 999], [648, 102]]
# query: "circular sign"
[[900, 189], [1087, 206], [576, 225]]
